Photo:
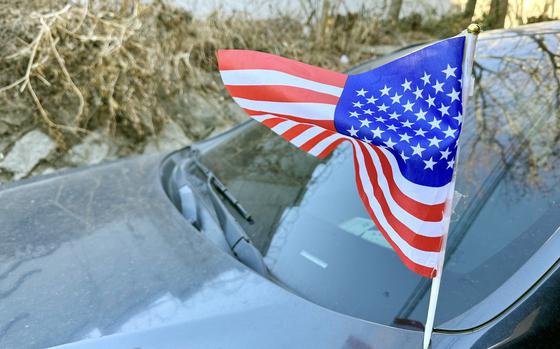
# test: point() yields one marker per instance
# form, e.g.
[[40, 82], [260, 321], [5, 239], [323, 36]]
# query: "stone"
[[27, 152], [171, 137], [92, 150]]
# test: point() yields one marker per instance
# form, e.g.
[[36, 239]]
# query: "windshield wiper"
[[238, 241], [221, 188]]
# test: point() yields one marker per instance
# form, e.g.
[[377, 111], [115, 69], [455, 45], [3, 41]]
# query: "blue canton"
[[411, 107]]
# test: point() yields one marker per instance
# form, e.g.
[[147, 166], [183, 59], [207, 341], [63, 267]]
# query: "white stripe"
[[425, 258], [322, 145], [432, 229], [424, 194], [259, 77], [263, 117], [284, 126], [312, 111], [306, 135]]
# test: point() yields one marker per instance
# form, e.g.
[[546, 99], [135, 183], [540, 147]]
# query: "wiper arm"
[[238, 241], [222, 188]]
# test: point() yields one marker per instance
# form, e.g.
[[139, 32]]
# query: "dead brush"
[[102, 65], [125, 67]]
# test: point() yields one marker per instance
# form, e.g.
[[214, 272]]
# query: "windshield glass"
[[318, 239]]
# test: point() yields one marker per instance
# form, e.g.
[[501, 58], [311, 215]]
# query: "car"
[[244, 241]]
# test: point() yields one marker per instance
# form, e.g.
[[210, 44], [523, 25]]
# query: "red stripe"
[[244, 59], [420, 242], [417, 268], [326, 124], [330, 148], [270, 123], [307, 146], [429, 213], [295, 131], [276, 93]]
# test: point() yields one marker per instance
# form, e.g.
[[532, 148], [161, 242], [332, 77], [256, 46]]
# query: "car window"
[[319, 241]]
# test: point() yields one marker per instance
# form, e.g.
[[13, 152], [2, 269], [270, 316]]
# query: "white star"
[[418, 92], [365, 123], [389, 143], [451, 163], [420, 132], [438, 86], [449, 71], [352, 131], [357, 104], [449, 132], [445, 153], [454, 95], [361, 92], [392, 128], [354, 114], [443, 110], [426, 78], [377, 132], [365, 139], [417, 150], [368, 111], [459, 118], [435, 123], [408, 106], [406, 85], [405, 138], [429, 164], [385, 90], [394, 115], [382, 107], [407, 124], [379, 119], [434, 141], [404, 157], [430, 101], [396, 98], [371, 100], [421, 114], [460, 82]]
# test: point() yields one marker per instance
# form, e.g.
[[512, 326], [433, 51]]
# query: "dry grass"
[[123, 67]]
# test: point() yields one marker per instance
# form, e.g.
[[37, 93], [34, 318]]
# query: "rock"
[[171, 137], [235, 113], [93, 149], [27, 152]]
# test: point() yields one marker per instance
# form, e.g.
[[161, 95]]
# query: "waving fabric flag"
[[403, 120]]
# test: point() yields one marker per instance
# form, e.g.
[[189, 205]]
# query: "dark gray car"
[[244, 241]]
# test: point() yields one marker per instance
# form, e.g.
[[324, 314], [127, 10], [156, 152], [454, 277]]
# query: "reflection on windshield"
[[318, 239]]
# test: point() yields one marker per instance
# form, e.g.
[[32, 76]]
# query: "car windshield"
[[318, 240]]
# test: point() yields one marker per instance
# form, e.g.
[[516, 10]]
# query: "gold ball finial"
[[473, 28]]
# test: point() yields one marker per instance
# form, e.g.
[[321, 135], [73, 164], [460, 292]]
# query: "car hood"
[[101, 257]]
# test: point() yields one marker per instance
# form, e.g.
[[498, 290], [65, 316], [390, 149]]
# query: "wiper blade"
[[235, 236], [222, 188]]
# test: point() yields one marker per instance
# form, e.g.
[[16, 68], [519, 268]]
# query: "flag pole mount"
[[473, 28], [468, 61]]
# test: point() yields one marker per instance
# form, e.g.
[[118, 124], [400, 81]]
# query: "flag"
[[403, 120]]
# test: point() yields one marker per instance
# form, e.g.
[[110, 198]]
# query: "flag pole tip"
[[473, 28]]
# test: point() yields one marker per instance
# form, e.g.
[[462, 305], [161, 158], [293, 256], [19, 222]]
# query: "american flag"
[[403, 120]]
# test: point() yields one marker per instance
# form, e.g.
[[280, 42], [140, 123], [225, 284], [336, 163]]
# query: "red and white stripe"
[[297, 101]]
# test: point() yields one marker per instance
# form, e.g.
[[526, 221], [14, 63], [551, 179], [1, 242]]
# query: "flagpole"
[[468, 60]]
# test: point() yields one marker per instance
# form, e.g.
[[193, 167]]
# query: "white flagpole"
[[466, 78]]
